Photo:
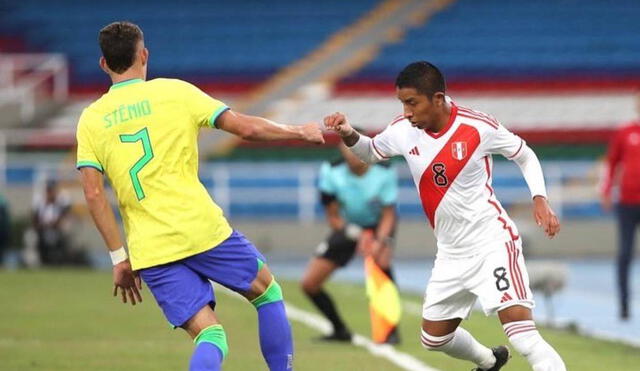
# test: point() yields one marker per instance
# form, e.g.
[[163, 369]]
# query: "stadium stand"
[[522, 40], [542, 68], [231, 41]]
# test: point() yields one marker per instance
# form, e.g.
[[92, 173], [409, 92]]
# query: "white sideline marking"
[[401, 359], [318, 323], [411, 307]]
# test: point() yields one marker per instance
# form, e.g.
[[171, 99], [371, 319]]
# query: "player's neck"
[[129, 74], [443, 118]]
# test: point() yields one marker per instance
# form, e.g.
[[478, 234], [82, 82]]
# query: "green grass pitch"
[[67, 320]]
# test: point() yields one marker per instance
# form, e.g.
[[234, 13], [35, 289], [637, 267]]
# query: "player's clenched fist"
[[311, 133], [338, 122]]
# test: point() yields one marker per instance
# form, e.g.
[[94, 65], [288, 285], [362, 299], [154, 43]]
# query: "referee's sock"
[[323, 302], [276, 341], [462, 345]]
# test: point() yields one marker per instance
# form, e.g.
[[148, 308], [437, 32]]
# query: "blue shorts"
[[182, 288]]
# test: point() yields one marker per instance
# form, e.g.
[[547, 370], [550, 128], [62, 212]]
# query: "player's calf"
[[460, 344], [526, 339], [275, 332], [211, 349]]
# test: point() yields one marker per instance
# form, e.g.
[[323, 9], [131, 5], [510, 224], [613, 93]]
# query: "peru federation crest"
[[459, 150]]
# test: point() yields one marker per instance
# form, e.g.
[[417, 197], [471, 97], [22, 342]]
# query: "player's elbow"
[[248, 132], [93, 194]]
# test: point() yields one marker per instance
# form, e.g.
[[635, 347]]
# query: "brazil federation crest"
[[459, 150]]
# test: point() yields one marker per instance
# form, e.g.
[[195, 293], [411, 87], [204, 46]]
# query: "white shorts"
[[499, 279]]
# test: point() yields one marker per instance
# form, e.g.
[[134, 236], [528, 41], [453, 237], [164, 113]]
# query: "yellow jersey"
[[143, 135]]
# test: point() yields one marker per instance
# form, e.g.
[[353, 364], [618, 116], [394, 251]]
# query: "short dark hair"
[[422, 76], [119, 42]]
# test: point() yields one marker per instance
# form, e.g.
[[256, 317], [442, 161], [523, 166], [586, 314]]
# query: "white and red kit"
[[479, 252]]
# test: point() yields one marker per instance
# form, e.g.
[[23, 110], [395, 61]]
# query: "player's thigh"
[[318, 271], [446, 298], [502, 280], [179, 291], [235, 263]]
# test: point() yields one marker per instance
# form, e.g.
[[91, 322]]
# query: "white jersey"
[[452, 172]]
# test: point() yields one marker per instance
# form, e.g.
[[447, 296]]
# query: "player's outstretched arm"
[[359, 144], [123, 277], [260, 129]]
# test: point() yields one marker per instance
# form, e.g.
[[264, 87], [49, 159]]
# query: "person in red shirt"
[[624, 157]]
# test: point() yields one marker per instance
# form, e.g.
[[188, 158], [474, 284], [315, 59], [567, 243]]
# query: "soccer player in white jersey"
[[448, 149]]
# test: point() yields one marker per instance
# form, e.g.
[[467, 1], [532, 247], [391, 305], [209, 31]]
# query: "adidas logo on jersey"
[[414, 151], [505, 297]]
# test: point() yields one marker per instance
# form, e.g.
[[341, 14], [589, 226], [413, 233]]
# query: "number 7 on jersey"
[[143, 136]]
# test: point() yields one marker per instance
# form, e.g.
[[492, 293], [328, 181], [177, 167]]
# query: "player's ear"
[[438, 99], [103, 65], [144, 56]]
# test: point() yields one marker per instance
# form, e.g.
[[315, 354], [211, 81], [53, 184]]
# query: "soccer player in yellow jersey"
[[143, 136]]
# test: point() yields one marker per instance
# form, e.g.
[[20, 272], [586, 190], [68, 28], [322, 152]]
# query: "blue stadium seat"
[[520, 38], [198, 37]]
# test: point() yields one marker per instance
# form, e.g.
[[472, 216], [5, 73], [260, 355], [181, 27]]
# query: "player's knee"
[[260, 283], [435, 343], [214, 335], [272, 294], [309, 287]]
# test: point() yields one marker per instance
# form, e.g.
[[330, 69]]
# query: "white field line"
[[318, 323], [411, 307]]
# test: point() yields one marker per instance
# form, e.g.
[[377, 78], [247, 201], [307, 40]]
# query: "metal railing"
[[287, 190], [24, 76]]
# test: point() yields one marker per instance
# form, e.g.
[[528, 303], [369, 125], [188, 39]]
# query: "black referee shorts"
[[339, 248]]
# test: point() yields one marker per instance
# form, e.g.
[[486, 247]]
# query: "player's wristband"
[[118, 256]]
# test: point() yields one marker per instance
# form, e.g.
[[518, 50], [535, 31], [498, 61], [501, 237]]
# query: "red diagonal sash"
[[443, 170]]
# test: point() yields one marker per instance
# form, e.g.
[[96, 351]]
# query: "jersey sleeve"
[[86, 154], [385, 143], [389, 194], [204, 109], [502, 141], [325, 185]]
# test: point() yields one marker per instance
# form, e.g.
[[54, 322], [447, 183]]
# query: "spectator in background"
[[624, 155], [4, 228], [49, 215]]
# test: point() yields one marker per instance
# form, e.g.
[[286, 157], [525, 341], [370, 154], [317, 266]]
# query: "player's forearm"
[[532, 171], [386, 224], [363, 149], [607, 180], [334, 219], [351, 139], [104, 220], [336, 223], [261, 129]]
